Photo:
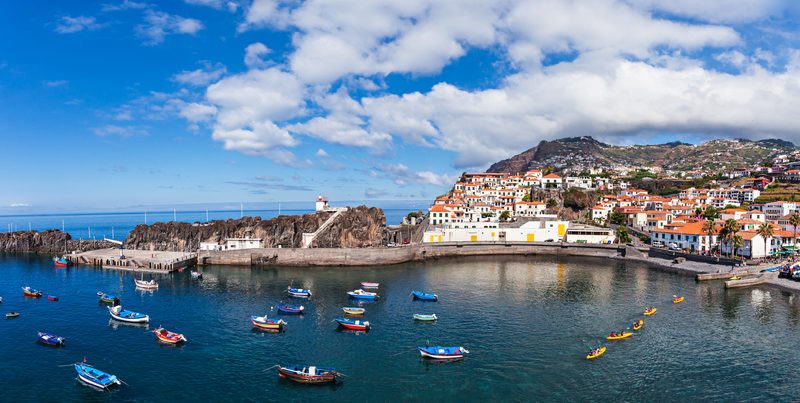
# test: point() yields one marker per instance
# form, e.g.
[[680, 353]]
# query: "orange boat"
[[166, 336]]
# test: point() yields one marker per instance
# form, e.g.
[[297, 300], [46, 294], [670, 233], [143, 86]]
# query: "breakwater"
[[49, 241]]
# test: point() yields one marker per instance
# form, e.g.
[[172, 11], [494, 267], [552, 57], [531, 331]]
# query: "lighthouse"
[[322, 203]]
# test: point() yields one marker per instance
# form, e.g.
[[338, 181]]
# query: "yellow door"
[[531, 237], [432, 238], [561, 230], [473, 238], [440, 238]]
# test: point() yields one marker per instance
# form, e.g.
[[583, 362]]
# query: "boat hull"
[[86, 377], [169, 338], [366, 284], [146, 285], [623, 336], [51, 340], [425, 318], [291, 310], [592, 356], [52, 298], [354, 311], [306, 379], [271, 325], [425, 297], [440, 356], [141, 319]]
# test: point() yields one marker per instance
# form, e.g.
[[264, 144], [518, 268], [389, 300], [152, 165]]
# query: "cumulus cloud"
[[200, 77], [253, 55], [119, 131], [71, 25], [321, 153], [195, 112], [158, 24], [402, 175], [231, 6], [124, 5]]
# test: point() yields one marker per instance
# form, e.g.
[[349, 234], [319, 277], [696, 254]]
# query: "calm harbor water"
[[528, 323]]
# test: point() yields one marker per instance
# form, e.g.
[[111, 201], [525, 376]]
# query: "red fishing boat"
[[307, 374], [166, 336], [30, 292], [353, 324]]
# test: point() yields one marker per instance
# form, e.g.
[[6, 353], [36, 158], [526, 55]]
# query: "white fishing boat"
[[147, 285], [127, 316]]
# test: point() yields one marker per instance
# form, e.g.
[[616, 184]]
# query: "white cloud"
[[322, 153], [70, 25], [195, 112], [124, 5], [253, 55], [158, 24], [231, 6], [120, 131], [18, 205], [203, 76], [402, 175], [715, 10], [55, 83]]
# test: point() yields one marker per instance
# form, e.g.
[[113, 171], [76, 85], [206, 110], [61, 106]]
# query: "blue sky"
[[119, 103]]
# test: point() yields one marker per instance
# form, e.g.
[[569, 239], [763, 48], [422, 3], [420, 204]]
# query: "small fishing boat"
[[298, 292], [619, 336], [424, 296], [735, 278], [676, 299], [127, 316], [62, 261], [146, 285], [442, 353], [11, 315], [164, 335], [650, 311], [52, 298], [638, 324], [353, 310], [107, 298], [291, 309], [95, 377], [596, 353], [30, 292], [353, 324], [307, 373], [361, 294], [262, 322], [367, 284], [197, 275], [51, 339], [425, 318]]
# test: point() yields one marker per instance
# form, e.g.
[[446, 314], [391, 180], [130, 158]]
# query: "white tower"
[[322, 203]]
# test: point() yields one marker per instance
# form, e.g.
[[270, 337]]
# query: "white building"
[[322, 203], [242, 243], [590, 234], [778, 209], [532, 231]]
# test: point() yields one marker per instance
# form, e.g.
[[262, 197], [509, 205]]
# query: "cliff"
[[358, 227], [49, 241]]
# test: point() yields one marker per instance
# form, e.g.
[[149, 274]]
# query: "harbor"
[[134, 260]]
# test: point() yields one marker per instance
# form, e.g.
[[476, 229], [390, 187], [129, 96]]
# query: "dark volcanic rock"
[[49, 241], [358, 227]]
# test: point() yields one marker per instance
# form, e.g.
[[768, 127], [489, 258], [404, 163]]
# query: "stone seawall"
[[389, 256]]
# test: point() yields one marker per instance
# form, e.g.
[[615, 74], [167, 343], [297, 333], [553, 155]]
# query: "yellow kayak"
[[735, 278], [649, 312], [624, 335], [677, 300], [638, 324], [596, 353], [353, 311]]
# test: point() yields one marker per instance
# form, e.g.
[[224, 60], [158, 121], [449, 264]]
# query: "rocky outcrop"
[[49, 241], [358, 227]]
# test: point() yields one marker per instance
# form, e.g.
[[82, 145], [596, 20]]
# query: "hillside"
[[578, 153]]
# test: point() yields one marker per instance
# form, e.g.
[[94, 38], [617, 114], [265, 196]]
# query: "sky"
[[125, 103]]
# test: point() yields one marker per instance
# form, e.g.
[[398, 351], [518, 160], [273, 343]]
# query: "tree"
[[766, 231], [622, 234], [486, 215], [794, 219], [505, 215], [738, 242], [527, 197], [709, 227], [711, 212], [616, 218], [731, 231], [551, 203]]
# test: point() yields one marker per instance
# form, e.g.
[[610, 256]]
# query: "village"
[[725, 218]]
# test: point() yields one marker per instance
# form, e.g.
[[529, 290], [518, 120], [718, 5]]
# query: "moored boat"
[[307, 373], [424, 296], [596, 353], [108, 298], [619, 336], [11, 315], [676, 299], [425, 318], [30, 292], [95, 377], [650, 311], [353, 324], [62, 261], [442, 353], [353, 310], [298, 292], [147, 285], [291, 309], [638, 324], [52, 298], [263, 322], [50, 339], [127, 316], [197, 275], [367, 284], [361, 294], [165, 336]]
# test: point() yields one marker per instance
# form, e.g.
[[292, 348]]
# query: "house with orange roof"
[[753, 245], [529, 209], [689, 236], [552, 181], [732, 214]]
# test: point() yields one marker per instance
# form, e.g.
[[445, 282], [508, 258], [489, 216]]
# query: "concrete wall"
[[668, 254]]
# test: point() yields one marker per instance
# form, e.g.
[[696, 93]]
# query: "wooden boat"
[[650, 311], [30, 292], [307, 373], [165, 336], [197, 275], [262, 322], [424, 296], [298, 292], [11, 315], [425, 318], [353, 310], [146, 285], [619, 336], [107, 298], [52, 298], [596, 353], [676, 299], [291, 309], [95, 377], [363, 295], [367, 284], [442, 353], [51, 339], [353, 324], [638, 324], [127, 316], [62, 261]]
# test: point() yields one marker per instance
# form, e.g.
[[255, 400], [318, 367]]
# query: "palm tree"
[[731, 228], [709, 227], [738, 242], [794, 219], [765, 230]]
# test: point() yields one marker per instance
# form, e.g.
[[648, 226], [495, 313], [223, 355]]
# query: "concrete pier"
[[135, 260]]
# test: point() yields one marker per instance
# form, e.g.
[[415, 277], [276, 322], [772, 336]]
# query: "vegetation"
[[616, 218], [526, 198], [641, 174], [779, 192], [794, 219], [710, 213], [729, 235], [551, 203], [486, 215], [622, 234], [505, 215], [765, 230]]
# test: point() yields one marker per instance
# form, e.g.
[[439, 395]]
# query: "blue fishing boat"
[[363, 295], [127, 316], [442, 353], [298, 292], [95, 377], [51, 339], [62, 261], [108, 298], [291, 309], [353, 324], [424, 296]]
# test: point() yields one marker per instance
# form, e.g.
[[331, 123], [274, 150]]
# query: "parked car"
[[796, 274], [785, 272]]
